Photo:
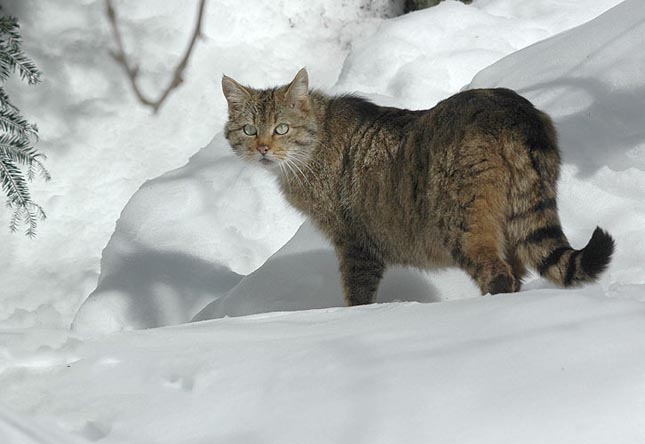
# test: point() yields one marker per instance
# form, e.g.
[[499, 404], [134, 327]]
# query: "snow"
[[449, 45], [273, 356], [539, 366]]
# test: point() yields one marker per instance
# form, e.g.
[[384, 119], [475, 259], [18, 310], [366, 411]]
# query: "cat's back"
[[496, 112], [364, 118], [484, 101]]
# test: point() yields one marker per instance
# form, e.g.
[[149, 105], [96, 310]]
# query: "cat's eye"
[[282, 129], [249, 130]]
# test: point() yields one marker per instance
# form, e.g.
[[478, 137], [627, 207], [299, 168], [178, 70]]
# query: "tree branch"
[[132, 70]]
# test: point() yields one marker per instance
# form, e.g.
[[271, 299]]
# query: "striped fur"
[[471, 182]]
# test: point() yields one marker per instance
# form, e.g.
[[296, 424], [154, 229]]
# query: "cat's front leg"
[[361, 273]]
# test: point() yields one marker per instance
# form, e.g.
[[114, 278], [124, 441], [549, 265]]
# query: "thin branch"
[[132, 70]]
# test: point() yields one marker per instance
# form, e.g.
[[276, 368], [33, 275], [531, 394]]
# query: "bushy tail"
[[567, 267]]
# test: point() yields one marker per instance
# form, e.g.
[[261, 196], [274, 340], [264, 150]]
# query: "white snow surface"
[[210, 239], [536, 367]]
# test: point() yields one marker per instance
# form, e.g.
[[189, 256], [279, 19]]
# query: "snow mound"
[[20, 429], [536, 367], [182, 240], [592, 83], [417, 59]]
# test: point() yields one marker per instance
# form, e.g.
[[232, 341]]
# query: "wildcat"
[[469, 183]]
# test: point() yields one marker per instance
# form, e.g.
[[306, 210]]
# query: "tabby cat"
[[470, 182]]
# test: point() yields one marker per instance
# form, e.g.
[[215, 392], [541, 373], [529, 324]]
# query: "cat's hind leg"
[[480, 248], [482, 258]]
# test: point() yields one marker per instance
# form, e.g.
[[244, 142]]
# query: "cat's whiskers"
[[284, 175], [305, 165], [293, 172], [305, 180]]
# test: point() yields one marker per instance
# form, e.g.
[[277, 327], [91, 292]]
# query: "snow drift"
[[534, 367]]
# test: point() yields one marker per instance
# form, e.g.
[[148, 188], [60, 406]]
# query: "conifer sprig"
[[20, 162], [12, 56]]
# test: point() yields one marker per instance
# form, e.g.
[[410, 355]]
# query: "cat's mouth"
[[265, 161]]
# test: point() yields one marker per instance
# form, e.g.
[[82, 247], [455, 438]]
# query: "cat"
[[469, 183]]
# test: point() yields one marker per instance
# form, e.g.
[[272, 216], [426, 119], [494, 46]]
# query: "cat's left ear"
[[298, 90], [236, 95]]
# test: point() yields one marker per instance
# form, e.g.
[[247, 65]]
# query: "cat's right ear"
[[236, 95], [298, 90]]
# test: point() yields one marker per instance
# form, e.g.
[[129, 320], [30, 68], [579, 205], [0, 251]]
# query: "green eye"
[[282, 129], [249, 130]]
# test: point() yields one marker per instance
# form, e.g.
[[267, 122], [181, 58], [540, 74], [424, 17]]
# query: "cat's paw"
[[503, 283]]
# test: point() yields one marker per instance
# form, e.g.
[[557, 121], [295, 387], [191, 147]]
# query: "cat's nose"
[[263, 149]]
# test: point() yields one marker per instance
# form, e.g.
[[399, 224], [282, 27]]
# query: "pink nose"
[[263, 149]]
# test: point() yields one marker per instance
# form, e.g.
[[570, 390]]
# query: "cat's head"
[[273, 127]]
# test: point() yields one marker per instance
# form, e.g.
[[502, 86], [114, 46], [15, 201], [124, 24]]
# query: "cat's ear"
[[236, 95], [298, 91]]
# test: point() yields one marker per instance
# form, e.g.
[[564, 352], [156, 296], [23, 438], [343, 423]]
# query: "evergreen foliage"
[[20, 162]]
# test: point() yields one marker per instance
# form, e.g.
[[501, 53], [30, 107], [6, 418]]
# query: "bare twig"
[[132, 70]]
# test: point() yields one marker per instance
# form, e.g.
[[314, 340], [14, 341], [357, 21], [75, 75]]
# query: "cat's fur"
[[470, 182]]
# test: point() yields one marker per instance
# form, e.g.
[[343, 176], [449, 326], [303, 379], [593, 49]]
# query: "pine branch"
[[9, 31], [21, 152], [36, 168], [13, 184], [17, 151], [15, 125], [5, 69], [17, 134], [28, 215], [5, 102], [19, 200], [132, 71], [14, 58], [15, 219]]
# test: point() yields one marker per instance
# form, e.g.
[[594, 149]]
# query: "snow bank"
[[229, 216], [20, 429], [535, 367], [182, 240], [417, 59], [591, 82]]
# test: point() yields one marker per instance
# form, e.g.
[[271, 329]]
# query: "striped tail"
[[567, 267]]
